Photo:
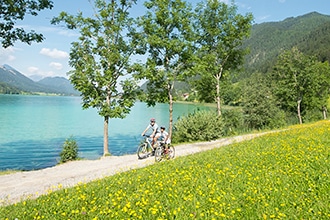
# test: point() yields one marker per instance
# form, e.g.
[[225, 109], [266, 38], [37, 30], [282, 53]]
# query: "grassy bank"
[[277, 176]]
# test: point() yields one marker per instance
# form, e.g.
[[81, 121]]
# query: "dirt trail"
[[19, 186]]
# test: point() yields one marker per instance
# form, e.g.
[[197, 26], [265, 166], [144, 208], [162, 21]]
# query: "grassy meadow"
[[282, 175]]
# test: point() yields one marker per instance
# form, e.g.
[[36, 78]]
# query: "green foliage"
[[259, 105], [282, 175], [300, 83], [166, 35], [69, 150], [96, 68], [198, 126], [233, 119], [100, 59], [312, 115], [231, 93], [205, 87], [220, 32], [10, 12], [317, 42], [309, 33], [8, 89]]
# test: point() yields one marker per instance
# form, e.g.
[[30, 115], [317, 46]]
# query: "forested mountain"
[[310, 33], [60, 84], [13, 82], [317, 43]]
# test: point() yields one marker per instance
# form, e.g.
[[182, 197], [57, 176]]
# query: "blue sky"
[[50, 58]]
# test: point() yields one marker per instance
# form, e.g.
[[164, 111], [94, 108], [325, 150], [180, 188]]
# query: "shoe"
[[153, 152]]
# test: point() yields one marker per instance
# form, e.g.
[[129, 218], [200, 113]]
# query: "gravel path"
[[19, 186]]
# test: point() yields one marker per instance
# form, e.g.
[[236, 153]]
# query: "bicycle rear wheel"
[[171, 152], [143, 151], [159, 154]]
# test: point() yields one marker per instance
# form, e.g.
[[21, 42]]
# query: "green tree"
[[11, 11], [166, 32], [100, 58], [300, 82], [220, 34], [320, 87], [259, 104]]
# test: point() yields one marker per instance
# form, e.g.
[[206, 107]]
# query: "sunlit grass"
[[282, 175], [8, 172]]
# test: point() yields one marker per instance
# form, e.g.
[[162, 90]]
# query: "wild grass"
[[4, 172], [283, 175]]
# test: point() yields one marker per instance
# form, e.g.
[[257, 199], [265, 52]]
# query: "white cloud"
[[56, 65], [46, 29], [11, 58], [262, 18], [68, 33], [49, 73], [6, 55], [38, 74], [33, 69], [55, 53]]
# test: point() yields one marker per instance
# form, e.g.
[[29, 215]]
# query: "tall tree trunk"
[[218, 97], [170, 110], [106, 136], [324, 109], [106, 129], [298, 111]]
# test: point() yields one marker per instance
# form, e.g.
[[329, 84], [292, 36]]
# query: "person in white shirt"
[[155, 131], [165, 139], [164, 135]]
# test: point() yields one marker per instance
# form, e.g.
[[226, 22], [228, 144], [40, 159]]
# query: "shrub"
[[233, 121], [69, 150], [198, 126], [312, 115]]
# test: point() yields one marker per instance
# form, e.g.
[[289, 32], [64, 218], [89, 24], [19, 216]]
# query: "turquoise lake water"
[[34, 128]]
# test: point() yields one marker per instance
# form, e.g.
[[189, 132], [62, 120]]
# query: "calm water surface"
[[34, 128]]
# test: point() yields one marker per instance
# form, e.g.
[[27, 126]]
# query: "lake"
[[34, 128]]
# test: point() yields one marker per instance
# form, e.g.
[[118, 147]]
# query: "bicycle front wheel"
[[143, 151]]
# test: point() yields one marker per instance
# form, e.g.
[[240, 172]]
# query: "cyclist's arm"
[[145, 130]]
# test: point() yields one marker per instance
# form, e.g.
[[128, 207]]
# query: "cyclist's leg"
[[166, 148], [154, 141]]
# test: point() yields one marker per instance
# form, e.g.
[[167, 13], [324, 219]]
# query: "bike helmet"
[[152, 120]]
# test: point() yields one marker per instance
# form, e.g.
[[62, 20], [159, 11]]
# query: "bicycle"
[[164, 151], [145, 149]]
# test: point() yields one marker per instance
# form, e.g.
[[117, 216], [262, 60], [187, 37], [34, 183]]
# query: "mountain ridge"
[[12, 81], [267, 40]]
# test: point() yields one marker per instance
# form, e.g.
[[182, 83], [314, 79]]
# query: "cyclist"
[[155, 132], [165, 138], [164, 135]]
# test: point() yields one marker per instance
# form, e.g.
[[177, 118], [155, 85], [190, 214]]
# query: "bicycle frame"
[[145, 149], [148, 140]]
